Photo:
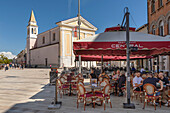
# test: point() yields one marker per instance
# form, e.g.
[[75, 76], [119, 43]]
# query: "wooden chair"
[[104, 95], [103, 83], [113, 86], [83, 95], [151, 94], [136, 93], [62, 88], [168, 97], [100, 79], [122, 88], [74, 85], [80, 75], [106, 80]]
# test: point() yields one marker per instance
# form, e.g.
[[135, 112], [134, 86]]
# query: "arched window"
[[32, 30], [161, 28], [153, 6], [35, 31], [43, 40], [169, 25], [153, 30]]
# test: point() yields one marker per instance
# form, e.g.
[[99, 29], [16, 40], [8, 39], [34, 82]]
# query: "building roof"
[[84, 21], [145, 25]]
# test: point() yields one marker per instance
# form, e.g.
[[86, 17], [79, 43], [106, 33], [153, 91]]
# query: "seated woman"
[[113, 74], [121, 82], [92, 74]]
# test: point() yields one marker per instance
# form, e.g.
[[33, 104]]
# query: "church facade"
[[55, 46]]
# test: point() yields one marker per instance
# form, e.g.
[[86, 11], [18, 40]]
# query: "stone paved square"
[[28, 91]]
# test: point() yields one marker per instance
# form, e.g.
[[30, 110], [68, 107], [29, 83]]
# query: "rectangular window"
[[43, 40], [153, 6], [160, 3], [161, 31], [153, 32], [53, 36]]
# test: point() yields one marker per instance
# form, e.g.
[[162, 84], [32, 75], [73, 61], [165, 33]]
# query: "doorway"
[[46, 62]]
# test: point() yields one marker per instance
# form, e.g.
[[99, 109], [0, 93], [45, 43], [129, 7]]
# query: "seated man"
[[137, 82], [165, 81], [121, 82], [153, 81], [116, 76]]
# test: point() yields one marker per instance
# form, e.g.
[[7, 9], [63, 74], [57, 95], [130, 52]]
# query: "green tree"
[[4, 59]]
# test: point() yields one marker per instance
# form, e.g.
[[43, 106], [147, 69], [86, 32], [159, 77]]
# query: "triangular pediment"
[[74, 22]]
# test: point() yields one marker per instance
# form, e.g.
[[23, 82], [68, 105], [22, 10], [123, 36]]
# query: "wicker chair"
[[168, 98], [80, 75], [104, 95], [83, 95], [100, 79], [62, 88], [103, 83], [151, 94], [136, 93], [122, 88]]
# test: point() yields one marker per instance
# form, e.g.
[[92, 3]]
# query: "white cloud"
[[8, 54]]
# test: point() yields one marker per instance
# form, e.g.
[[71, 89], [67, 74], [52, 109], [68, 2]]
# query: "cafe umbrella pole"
[[128, 104], [79, 23], [56, 104]]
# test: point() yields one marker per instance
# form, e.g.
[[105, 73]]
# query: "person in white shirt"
[[117, 75], [137, 82], [142, 70]]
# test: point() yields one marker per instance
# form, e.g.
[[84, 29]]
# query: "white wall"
[[50, 52], [48, 37]]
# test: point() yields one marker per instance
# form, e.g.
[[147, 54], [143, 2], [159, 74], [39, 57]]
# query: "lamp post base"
[[57, 105], [129, 105]]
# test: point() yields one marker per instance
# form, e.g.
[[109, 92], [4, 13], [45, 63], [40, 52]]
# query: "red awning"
[[113, 44], [108, 58]]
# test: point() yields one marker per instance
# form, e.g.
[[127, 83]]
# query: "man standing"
[[137, 82]]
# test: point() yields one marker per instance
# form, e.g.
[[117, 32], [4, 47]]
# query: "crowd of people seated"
[[139, 79], [158, 80], [116, 79]]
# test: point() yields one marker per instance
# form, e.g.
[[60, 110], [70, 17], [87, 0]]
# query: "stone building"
[[21, 58], [159, 24], [54, 46]]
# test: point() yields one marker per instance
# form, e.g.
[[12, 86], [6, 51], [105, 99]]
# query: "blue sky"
[[14, 16]]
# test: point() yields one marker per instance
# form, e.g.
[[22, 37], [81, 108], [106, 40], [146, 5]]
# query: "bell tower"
[[32, 32]]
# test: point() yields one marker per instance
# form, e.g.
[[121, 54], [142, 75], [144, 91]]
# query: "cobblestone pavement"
[[28, 91]]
